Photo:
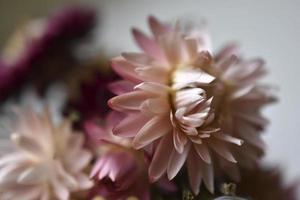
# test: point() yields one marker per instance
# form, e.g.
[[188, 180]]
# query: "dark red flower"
[[43, 51]]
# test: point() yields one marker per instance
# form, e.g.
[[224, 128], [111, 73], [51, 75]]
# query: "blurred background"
[[269, 29]]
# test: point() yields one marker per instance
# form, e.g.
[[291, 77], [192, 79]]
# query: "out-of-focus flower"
[[264, 183], [47, 163], [42, 51], [239, 100], [120, 171], [179, 100]]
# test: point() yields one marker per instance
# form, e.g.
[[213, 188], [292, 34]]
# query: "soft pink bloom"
[[239, 101], [120, 171], [48, 161], [175, 98]]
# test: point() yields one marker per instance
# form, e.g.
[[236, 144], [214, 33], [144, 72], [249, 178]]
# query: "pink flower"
[[173, 95], [239, 99], [48, 161], [120, 171]]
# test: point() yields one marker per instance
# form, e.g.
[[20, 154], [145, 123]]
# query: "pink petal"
[[161, 158], [155, 128], [121, 87], [141, 59], [154, 88], [156, 106], [228, 138], [179, 140], [125, 69], [32, 175], [222, 150], [250, 135], [113, 118], [148, 45], [95, 132], [130, 101], [208, 176], [194, 172], [157, 27], [97, 166], [60, 190], [203, 152], [130, 126], [176, 162]]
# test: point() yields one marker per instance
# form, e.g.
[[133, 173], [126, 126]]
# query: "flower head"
[[47, 163], [42, 51], [119, 170], [174, 98]]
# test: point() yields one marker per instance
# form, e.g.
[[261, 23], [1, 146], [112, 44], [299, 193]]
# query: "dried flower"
[[178, 101], [42, 51], [47, 163], [119, 170]]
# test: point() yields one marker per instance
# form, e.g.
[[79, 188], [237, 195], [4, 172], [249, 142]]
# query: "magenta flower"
[[176, 100], [41, 52]]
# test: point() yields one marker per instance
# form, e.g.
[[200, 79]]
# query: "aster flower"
[[119, 170], [42, 51], [170, 94], [47, 163]]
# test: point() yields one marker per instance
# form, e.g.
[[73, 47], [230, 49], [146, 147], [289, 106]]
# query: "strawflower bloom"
[[179, 100], [48, 161], [120, 172]]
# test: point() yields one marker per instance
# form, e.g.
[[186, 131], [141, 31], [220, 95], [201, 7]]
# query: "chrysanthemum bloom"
[[47, 163], [177, 102], [120, 171]]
